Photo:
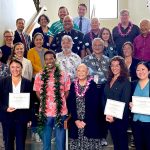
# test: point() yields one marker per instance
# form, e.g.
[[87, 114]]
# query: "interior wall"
[[53, 6], [139, 10], [10, 10]]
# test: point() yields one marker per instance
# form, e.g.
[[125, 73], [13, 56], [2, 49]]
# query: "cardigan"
[[22, 115], [93, 112], [34, 57]]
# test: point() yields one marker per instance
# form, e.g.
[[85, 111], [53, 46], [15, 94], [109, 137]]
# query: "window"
[[105, 9]]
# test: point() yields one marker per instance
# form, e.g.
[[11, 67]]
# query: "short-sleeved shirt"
[[77, 38], [120, 40], [57, 27], [50, 102], [97, 67], [69, 63], [88, 38], [143, 93]]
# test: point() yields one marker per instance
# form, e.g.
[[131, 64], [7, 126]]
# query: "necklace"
[[43, 96], [78, 92], [128, 31]]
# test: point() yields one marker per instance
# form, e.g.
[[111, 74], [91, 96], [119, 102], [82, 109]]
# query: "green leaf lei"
[[42, 118]]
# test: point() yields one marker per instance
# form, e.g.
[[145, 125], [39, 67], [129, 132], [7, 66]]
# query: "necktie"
[[80, 24], [24, 43]]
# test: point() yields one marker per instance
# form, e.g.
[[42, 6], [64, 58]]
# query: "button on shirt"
[[77, 38], [86, 25], [142, 47], [50, 102], [69, 63], [97, 67], [143, 93]]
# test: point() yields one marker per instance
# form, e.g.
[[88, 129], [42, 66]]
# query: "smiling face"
[[19, 50], [43, 21], [97, 47], [115, 68], [142, 72], [127, 50], [145, 27], [15, 69], [62, 13], [38, 41], [95, 24], [105, 35], [8, 38], [66, 44], [68, 23], [82, 72], [124, 17], [20, 25], [50, 60], [82, 11]]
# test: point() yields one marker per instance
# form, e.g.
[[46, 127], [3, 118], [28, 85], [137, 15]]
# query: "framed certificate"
[[141, 105], [19, 100], [114, 108]]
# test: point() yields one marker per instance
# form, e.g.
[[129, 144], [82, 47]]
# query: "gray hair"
[[124, 11], [8, 31], [68, 38], [98, 39]]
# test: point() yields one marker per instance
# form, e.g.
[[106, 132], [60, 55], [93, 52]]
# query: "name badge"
[[96, 79]]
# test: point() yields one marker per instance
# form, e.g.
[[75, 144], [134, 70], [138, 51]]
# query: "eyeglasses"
[[8, 36], [98, 46]]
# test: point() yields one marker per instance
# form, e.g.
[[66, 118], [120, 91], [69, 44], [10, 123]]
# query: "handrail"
[[30, 27]]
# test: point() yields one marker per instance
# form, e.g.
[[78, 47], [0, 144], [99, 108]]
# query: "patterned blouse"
[[4, 70]]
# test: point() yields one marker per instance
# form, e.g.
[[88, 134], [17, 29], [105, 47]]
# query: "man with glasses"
[[98, 65], [7, 47]]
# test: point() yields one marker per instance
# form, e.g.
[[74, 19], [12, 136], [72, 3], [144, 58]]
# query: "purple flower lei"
[[129, 30], [85, 89]]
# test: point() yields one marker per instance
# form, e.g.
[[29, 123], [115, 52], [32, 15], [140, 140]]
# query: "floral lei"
[[78, 93], [91, 35], [129, 30], [43, 96]]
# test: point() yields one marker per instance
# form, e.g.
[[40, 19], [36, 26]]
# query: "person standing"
[[21, 36], [118, 88], [52, 86], [82, 21], [124, 31]]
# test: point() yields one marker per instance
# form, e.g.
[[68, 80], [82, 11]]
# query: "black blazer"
[[120, 91], [93, 112], [22, 115]]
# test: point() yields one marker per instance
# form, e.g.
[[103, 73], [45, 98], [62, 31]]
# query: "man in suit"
[[21, 36]]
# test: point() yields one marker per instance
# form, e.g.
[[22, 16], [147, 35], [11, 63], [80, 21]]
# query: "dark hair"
[[83, 5], [19, 19], [146, 64], [16, 61], [50, 52], [124, 73], [36, 34], [43, 15], [128, 43], [63, 7], [110, 40]]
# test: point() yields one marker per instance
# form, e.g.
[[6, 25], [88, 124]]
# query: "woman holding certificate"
[[118, 89], [141, 114], [15, 106]]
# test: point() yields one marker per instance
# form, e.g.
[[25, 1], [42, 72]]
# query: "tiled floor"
[[32, 145]]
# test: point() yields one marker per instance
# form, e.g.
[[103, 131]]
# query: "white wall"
[[53, 6], [139, 10], [10, 10]]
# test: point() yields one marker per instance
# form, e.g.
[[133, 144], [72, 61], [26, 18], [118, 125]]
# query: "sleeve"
[[31, 57], [67, 82], [126, 96], [51, 31], [30, 70], [37, 83], [71, 103], [76, 27], [86, 42]]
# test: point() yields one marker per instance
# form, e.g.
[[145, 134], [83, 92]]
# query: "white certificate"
[[19, 100], [141, 105], [114, 108]]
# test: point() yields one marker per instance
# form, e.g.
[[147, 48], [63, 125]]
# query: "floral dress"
[[83, 143]]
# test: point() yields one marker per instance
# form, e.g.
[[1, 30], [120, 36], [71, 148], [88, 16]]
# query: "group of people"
[[72, 68]]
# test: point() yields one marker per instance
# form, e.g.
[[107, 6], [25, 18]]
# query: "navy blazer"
[[93, 112], [22, 115]]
